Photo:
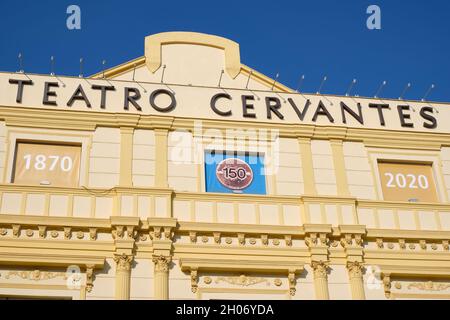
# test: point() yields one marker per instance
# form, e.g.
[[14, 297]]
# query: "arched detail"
[[154, 42]]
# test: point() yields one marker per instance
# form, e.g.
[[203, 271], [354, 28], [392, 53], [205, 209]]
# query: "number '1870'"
[[40, 162]]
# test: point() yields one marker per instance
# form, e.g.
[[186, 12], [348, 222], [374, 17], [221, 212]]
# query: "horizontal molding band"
[[248, 229], [238, 265], [36, 259], [89, 121]]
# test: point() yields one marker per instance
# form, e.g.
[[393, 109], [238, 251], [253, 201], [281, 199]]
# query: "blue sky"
[[314, 38]]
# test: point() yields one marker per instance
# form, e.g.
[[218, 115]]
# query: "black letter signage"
[[214, 101], [156, 93]]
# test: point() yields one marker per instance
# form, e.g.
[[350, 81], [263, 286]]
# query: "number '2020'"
[[403, 181]]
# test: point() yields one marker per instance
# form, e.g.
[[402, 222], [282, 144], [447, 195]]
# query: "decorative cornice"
[[125, 227], [262, 264], [317, 240], [59, 259], [162, 228], [89, 120], [411, 270]]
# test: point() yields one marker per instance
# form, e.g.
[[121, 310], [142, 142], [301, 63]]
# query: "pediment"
[[192, 59]]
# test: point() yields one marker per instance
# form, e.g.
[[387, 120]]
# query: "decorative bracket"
[[217, 238], [387, 285], [265, 239], [131, 232], [89, 277], [193, 236], [67, 233], [292, 282], [380, 243], [118, 232], [194, 280], [16, 230], [93, 233], [42, 232], [288, 240], [241, 239]]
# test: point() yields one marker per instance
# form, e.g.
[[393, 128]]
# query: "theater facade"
[[185, 174]]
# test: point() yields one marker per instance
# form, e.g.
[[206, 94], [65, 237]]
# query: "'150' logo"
[[234, 174]]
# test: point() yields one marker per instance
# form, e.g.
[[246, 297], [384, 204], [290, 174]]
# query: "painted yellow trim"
[[119, 69], [153, 50], [264, 80], [39, 259], [153, 44], [161, 159], [88, 121], [240, 265], [339, 167], [126, 157]]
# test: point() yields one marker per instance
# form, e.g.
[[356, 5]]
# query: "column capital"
[[162, 263], [320, 269], [123, 261], [355, 269]]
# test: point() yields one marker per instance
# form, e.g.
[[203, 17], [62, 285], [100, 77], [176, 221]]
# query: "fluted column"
[[161, 277], [321, 280], [123, 270], [355, 274]]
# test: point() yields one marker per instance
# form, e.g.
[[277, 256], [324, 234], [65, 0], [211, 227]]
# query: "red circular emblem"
[[234, 174]]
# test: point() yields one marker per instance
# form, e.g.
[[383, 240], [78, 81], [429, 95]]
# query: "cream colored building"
[[103, 192]]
